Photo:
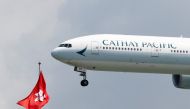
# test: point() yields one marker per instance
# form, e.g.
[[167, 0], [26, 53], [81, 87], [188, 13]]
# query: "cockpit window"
[[69, 45], [66, 45]]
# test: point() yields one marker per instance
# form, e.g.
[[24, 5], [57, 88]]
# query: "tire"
[[84, 83]]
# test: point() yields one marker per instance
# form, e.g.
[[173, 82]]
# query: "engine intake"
[[181, 81]]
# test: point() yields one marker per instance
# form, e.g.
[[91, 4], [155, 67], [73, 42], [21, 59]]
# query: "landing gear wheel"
[[84, 83]]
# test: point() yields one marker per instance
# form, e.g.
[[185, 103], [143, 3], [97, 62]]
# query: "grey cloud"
[[129, 17]]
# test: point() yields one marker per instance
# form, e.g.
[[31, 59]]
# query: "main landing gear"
[[82, 71]]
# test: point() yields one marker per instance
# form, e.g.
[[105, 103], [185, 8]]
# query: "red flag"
[[38, 97]]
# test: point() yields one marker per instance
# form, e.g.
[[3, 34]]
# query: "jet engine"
[[181, 81]]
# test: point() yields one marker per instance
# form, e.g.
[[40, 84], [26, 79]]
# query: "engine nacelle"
[[181, 81]]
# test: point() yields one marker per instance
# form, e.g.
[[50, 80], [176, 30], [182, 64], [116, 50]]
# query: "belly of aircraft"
[[132, 67]]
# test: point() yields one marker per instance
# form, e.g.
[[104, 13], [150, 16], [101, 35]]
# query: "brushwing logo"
[[82, 51]]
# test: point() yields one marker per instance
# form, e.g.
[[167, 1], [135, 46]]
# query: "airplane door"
[[95, 47], [155, 52]]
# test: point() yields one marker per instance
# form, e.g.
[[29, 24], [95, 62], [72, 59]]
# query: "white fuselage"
[[127, 53]]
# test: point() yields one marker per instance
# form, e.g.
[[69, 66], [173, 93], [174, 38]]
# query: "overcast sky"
[[30, 29]]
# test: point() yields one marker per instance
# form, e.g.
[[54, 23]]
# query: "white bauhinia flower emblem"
[[40, 96]]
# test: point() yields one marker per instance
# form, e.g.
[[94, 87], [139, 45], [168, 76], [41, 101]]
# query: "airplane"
[[128, 53]]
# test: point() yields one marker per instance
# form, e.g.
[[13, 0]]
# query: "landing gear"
[[84, 82], [82, 71]]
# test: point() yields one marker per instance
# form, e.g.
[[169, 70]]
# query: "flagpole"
[[39, 67]]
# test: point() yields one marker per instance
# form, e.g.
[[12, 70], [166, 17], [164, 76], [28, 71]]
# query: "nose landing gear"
[[82, 71], [84, 82]]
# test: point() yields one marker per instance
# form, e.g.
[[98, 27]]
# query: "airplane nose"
[[61, 54], [55, 53]]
